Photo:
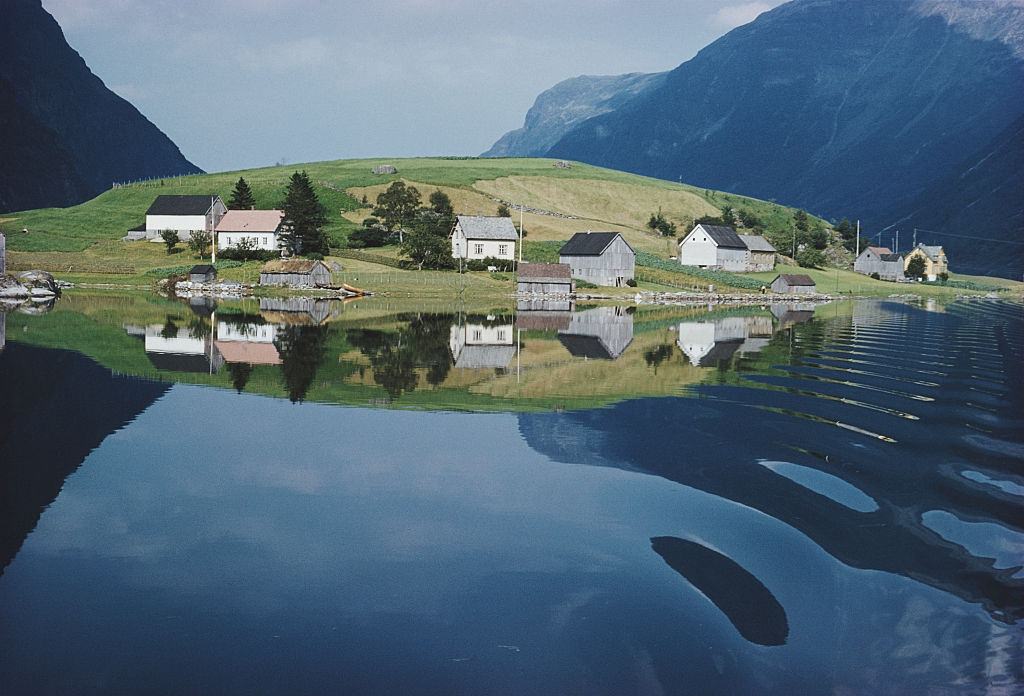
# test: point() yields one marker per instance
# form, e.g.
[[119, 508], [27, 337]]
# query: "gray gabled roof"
[[756, 242], [931, 251], [589, 244], [181, 205], [485, 227], [724, 236], [890, 257], [795, 279]]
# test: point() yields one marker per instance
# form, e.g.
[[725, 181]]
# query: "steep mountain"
[[64, 137], [567, 104], [871, 109]]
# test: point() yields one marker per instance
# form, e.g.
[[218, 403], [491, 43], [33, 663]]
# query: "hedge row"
[[735, 280]]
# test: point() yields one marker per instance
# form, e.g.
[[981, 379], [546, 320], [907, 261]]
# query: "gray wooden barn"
[[794, 284], [601, 258], [300, 273], [545, 278], [880, 260]]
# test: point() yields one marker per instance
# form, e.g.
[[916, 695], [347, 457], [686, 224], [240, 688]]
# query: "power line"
[[967, 236]]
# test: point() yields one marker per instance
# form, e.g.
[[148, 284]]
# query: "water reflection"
[[748, 604]]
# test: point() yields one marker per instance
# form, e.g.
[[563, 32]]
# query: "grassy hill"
[[595, 198], [83, 243]]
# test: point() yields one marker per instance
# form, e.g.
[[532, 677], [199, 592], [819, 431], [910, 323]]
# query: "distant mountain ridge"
[[64, 136], [891, 111], [567, 104]]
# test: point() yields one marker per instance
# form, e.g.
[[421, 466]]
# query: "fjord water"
[[359, 499]]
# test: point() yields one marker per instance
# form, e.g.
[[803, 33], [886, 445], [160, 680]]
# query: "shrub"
[[630, 282], [238, 254], [876, 276], [486, 263], [810, 258]]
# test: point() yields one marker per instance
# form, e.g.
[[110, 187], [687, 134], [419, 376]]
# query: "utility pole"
[[858, 237], [520, 235], [915, 240], [897, 249]]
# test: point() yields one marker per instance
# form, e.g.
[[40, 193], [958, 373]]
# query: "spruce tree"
[[241, 196], [304, 216]]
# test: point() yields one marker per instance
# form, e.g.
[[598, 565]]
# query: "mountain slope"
[[843, 108], [66, 136], [567, 104]]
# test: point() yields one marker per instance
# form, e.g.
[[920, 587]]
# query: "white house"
[[714, 246], [260, 226], [480, 237], [184, 215]]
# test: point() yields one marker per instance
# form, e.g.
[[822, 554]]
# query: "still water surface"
[[371, 499]]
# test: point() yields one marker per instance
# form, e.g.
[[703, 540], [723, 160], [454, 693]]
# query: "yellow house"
[[935, 263]]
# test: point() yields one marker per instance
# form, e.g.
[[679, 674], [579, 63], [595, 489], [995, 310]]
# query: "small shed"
[[385, 169], [794, 284], [300, 273], [881, 261], [601, 258], [202, 273], [546, 278]]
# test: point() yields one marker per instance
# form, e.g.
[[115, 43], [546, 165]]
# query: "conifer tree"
[[241, 196], [304, 218]]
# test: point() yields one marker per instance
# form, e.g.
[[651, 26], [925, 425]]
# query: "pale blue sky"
[[239, 83]]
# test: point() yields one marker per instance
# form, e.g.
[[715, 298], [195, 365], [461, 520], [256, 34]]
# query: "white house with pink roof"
[[261, 226]]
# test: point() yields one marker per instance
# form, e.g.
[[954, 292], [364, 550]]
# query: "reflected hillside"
[[885, 434], [539, 356]]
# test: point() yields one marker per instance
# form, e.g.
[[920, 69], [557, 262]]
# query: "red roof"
[[248, 352], [254, 221]]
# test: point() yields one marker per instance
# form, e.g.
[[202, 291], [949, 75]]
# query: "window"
[[478, 248], [229, 241], [502, 249], [501, 334], [478, 335]]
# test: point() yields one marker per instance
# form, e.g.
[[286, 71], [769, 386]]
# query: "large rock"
[[39, 283]]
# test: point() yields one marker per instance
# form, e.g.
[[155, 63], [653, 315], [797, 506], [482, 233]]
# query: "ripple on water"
[[981, 539], [832, 487]]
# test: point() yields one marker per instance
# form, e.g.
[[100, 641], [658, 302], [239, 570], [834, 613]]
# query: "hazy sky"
[[239, 83]]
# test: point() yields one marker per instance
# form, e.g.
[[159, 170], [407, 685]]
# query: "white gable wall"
[[480, 248], [698, 249]]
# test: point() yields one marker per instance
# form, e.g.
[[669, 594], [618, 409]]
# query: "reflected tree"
[[395, 356], [240, 373], [654, 357], [302, 349]]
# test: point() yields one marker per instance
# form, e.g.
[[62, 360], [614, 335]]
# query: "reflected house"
[[305, 311], [482, 346], [251, 343], [790, 314], [3, 330], [545, 305], [176, 349], [709, 343], [602, 333]]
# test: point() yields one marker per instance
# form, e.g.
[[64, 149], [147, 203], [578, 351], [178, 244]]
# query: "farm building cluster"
[[720, 247], [884, 264]]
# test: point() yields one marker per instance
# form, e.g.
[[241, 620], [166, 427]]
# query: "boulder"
[[39, 283]]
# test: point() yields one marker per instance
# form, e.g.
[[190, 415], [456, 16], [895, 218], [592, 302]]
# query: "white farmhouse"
[[260, 226], [184, 215], [714, 246], [481, 237]]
